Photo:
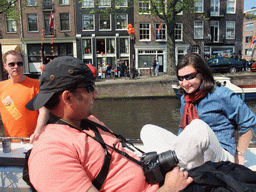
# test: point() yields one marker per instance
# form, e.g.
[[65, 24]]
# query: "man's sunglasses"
[[187, 77], [12, 64], [89, 88]]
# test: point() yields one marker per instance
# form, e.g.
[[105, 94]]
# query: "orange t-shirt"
[[65, 159], [18, 121]]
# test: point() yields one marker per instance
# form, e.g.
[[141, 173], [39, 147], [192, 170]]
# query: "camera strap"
[[85, 124], [88, 123], [99, 180], [119, 137]]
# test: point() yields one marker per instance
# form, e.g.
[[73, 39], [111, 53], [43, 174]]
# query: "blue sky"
[[248, 4]]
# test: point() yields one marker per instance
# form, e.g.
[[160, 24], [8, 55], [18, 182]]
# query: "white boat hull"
[[245, 93], [11, 171]]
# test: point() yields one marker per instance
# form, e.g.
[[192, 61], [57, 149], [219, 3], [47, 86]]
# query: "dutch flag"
[[51, 21], [158, 31]]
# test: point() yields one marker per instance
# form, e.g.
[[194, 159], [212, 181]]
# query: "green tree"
[[7, 7], [168, 11]]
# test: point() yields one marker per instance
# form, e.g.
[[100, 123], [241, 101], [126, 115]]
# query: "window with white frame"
[[231, 5], [199, 6], [47, 29], [104, 3], [161, 31], [248, 39], [64, 21], [11, 25], [178, 32], [87, 3], [121, 21], [124, 45], [144, 7], [105, 22], [249, 27], [195, 49], [230, 29], [32, 22], [161, 8], [198, 30], [215, 7], [248, 52], [121, 3], [88, 22], [31, 2], [63, 2], [110, 43], [87, 46], [145, 30]]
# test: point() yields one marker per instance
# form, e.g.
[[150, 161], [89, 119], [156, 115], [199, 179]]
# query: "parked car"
[[225, 64], [253, 67], [94, 71]]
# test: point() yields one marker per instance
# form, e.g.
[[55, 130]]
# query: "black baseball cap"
[[62, 73]]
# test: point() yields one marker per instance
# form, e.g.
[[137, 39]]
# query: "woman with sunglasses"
[[210, 114]]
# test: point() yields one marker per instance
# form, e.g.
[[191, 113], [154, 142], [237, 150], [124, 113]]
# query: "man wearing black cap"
[[70, 153]]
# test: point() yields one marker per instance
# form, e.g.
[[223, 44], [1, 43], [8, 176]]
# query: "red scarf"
[[190, 112]]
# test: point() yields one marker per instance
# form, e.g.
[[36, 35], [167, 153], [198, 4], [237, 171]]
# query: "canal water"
[[127, 116]]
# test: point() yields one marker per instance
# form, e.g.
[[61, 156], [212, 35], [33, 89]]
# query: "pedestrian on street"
[[154, 66], [157, 68]]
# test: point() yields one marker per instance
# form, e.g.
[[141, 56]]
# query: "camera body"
[[156, 166]]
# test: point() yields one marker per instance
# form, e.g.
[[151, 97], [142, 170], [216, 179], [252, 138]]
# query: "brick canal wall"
[[136, 88], [156, 87], [246, 78]]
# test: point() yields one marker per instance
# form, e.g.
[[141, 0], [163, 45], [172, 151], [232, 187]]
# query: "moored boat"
[[11, 164], [246, 92]]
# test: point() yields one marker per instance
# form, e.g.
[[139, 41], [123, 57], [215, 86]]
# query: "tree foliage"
[[250, 16], [168, 11], [7, 8]]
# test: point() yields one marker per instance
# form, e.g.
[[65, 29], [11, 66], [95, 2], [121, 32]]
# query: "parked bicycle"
[[134, 74]]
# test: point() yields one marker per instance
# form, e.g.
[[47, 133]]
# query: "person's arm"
[[237, 110], [41, 122], [175, 180], [242, 146]]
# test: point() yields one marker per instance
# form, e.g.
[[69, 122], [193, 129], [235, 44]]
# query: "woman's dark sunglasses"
[[12, 64], [89, 88], [187, 77]]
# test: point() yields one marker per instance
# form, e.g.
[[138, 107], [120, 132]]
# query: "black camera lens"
[[168, 160]]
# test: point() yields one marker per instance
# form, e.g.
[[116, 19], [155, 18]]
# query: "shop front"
[[39, 54], [106, 53], [144, 58]]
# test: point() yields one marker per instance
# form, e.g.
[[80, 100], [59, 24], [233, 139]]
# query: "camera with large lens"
[[156, 166]]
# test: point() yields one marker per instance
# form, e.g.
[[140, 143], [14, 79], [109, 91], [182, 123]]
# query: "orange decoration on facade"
[[130, 29]]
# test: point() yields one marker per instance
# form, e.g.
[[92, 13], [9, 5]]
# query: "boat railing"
[[22, 139]]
